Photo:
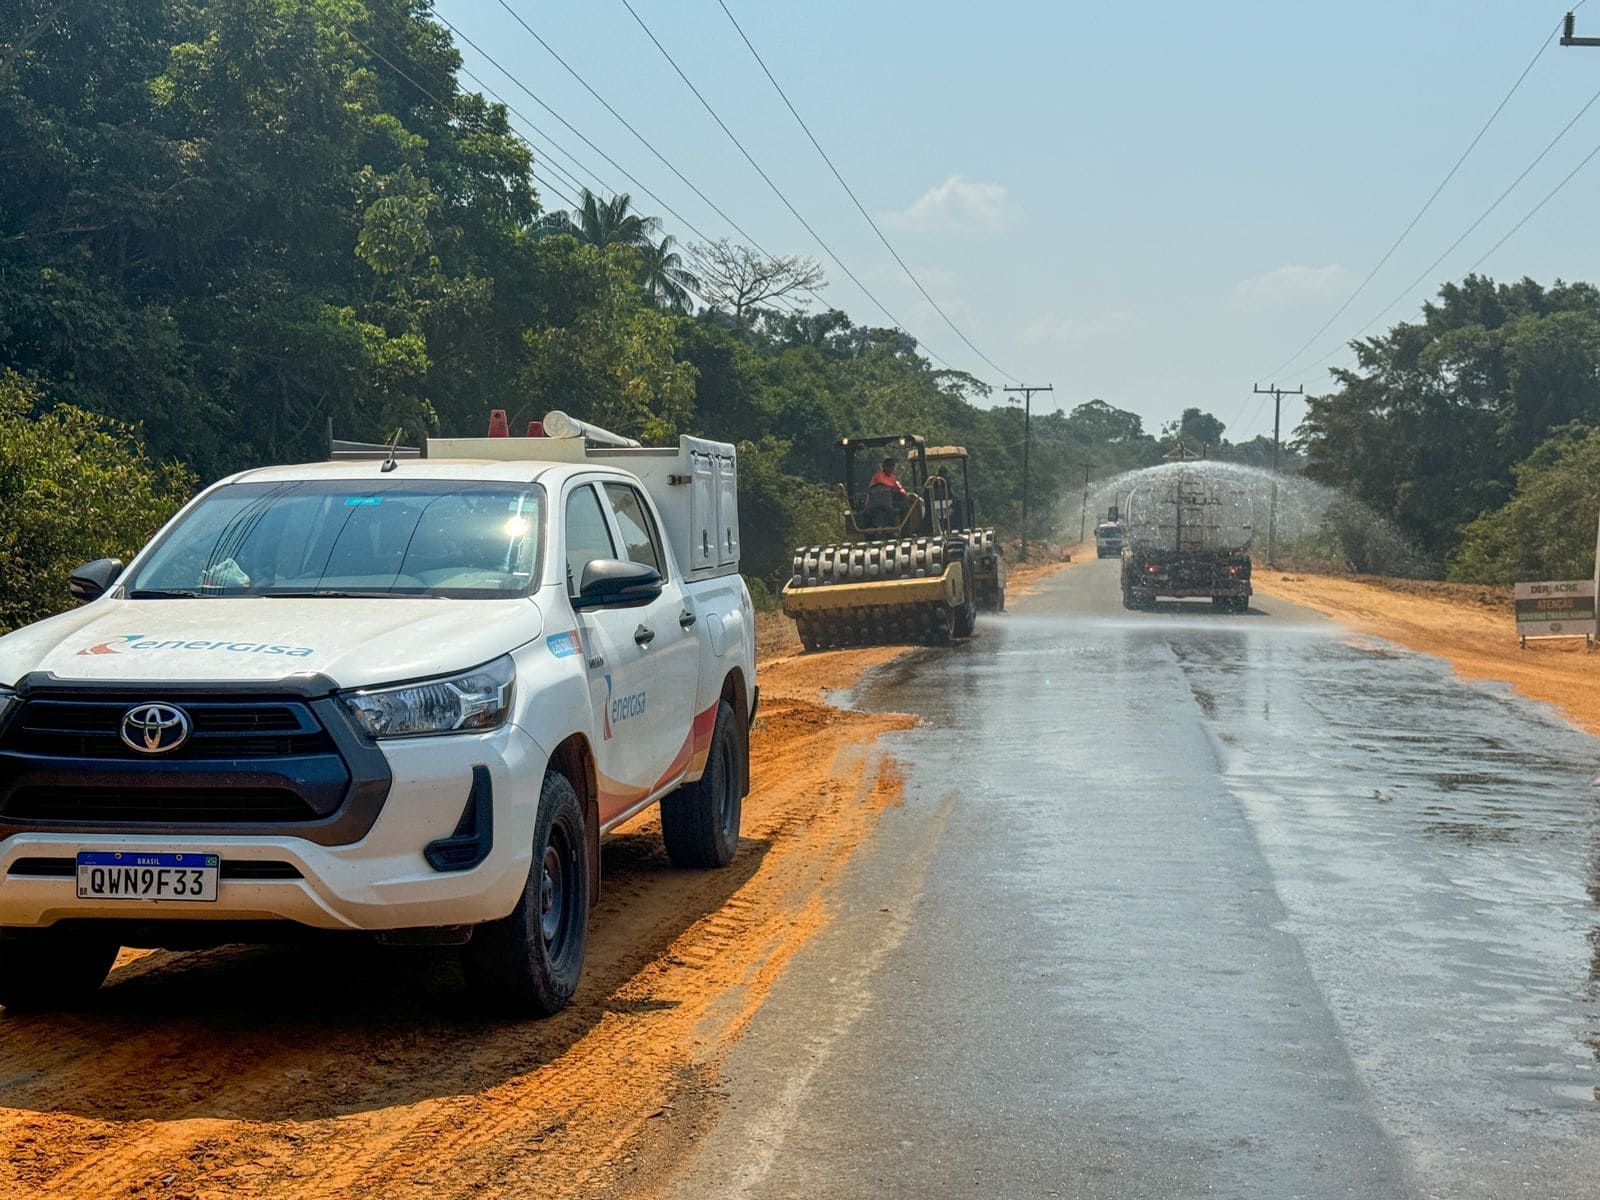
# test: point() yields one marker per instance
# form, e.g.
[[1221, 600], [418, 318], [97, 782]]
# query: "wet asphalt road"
[[1193, 905]]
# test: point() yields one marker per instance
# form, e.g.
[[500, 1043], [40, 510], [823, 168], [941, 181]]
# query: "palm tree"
[[664, 277], [611, 223]]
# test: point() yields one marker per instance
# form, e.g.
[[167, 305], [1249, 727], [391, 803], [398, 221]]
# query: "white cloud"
[[1080, 331], [958, 204], [1292, 284]]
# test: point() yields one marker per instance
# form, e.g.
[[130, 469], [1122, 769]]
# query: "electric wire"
[[446, 109], [623, 171], [1483, 216], [572, 204], [893, 320], [644, 141], [1427, 204], [1543, 46], [861, 208], [595, 185]]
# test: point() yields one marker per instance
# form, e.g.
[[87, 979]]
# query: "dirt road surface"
[[302, 1073], [1469, 626]]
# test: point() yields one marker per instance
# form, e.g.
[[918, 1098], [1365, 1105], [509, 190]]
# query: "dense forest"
[[226, 225], [1472, 429]]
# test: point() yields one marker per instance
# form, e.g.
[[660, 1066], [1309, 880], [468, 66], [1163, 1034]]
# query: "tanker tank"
[[1189, 531]]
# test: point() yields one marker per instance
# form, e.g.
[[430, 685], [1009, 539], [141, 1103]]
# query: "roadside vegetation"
[[227, 227], [1472, 429]]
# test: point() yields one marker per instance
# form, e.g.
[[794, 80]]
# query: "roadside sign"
[[1556, 609]]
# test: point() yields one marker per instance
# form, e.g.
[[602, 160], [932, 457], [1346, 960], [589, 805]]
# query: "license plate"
[[143, 875]]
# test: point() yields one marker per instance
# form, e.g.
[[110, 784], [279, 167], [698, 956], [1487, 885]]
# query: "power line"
[[578, 185], [626, 174], [1427, 204], [1427, 271], [448, 110], [1534, 210], [777, 191], [575, 167], [644, 141], [572, 204], [851, 193]]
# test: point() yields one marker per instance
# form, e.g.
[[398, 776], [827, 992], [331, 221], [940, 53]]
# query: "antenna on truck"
[[394, 444], [558, 425]]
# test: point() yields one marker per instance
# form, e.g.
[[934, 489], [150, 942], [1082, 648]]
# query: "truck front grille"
[[251, 759], [164, 805], [91, 729]]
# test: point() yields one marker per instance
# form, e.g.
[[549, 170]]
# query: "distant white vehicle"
[[405, 697], [1108, 539]]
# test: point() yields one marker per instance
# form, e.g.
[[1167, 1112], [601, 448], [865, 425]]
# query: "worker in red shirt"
[[884, 477]]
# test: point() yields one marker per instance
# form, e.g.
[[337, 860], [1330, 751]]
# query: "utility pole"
[[1027, 414], [1568, 39], [1566, 34], [1277, 393], [1083, 513]]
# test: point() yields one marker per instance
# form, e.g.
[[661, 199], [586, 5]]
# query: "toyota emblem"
[[155, 728]]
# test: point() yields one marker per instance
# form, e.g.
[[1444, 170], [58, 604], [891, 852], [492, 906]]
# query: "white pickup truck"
[[405, 697]]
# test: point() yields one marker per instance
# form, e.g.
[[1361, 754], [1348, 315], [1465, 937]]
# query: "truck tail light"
[[1152, 569], [1233, 570]]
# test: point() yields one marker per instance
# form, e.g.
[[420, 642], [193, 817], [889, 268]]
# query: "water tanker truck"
[[1188, 532]]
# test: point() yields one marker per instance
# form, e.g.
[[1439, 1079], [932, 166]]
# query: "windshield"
[[340, 537]]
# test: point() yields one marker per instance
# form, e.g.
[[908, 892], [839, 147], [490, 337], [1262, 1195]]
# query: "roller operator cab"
[[394, 696]]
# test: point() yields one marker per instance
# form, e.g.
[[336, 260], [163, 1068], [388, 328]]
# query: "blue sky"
[[1153, 204]]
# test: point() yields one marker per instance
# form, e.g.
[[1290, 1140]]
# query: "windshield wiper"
[[332, 593], [163, 594]]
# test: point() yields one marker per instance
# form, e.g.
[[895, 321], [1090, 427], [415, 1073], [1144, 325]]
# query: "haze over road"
[[1182, 904]]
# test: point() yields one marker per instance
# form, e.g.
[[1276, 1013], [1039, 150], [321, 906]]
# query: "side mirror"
[[92, 580], [612, 583]]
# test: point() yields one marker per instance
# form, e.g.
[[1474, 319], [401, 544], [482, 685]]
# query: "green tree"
[[74, 487], [1427, 427], [1546, 529]]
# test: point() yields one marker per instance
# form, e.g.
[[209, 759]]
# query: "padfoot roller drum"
[[866, 593]]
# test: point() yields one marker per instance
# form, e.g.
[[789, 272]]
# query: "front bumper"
[[383, 881]]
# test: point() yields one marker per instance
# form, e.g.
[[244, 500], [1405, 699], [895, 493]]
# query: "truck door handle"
[[644, 635], [685, 619]]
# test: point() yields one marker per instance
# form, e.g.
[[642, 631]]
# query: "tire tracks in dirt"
[[362, 1072]]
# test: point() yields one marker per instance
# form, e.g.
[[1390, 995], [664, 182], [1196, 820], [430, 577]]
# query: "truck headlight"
[[466, 703]]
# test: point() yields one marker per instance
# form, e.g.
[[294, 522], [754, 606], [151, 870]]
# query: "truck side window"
[[637, 526], [588, 536]]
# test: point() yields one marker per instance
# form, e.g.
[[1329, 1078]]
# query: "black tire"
[[529, 963], [967, 614], [700, 821], [45, 968]]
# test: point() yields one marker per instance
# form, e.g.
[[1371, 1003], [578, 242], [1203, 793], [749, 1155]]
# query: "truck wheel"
[[45, 968], [529, 963], [967, 614], [700, 821]]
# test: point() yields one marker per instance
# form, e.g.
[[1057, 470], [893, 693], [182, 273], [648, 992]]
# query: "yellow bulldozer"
[[912, 566]]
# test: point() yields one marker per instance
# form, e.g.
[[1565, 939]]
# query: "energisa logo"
[[138, 641], [620, 709]]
